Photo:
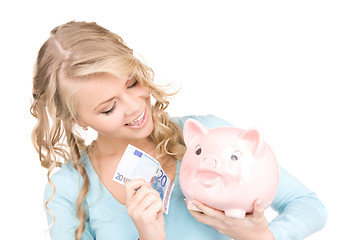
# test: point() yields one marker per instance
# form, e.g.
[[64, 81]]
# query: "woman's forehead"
[[99, 88]]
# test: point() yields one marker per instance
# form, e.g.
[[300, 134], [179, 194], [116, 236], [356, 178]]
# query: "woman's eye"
[[110, 110], [132, 83]]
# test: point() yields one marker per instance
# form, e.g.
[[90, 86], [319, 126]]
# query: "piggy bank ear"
[[256, 141], [193, 129]]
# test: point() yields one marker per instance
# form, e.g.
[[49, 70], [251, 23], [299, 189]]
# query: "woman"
[[85, 76]]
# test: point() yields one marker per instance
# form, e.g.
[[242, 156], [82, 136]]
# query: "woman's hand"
[[146, 209], [253, 227]]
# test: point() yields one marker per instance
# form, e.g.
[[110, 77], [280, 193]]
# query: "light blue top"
[[300, 211]]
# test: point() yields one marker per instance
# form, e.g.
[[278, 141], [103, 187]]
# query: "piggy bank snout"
[[210, 162]]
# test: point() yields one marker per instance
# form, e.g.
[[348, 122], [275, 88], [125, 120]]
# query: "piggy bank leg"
[[235, 213], [191, 206]]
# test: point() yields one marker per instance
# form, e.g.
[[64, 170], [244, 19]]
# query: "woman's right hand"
[[146, 209]]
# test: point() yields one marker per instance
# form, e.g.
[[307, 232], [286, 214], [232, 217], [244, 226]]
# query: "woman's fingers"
[[156, 206], [211, 212], [146, 197], [258, 213], [207, 215], [131, 187], [251, 227], [140, 197]]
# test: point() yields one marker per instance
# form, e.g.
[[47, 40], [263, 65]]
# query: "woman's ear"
[[80, 124]]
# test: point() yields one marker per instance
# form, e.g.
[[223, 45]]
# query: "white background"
[[290, 68]]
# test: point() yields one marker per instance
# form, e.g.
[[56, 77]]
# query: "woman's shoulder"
[[66, 181], [66, 173], [210, 120]]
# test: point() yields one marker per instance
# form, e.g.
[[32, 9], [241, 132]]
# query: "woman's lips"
[[139, 121]]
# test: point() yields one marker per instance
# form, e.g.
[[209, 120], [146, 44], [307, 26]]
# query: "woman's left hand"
[[253, 227]]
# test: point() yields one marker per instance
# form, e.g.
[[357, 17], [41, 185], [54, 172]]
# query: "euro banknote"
[[135, 164]]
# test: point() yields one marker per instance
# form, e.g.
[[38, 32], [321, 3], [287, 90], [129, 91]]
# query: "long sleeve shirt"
[[300, 212]]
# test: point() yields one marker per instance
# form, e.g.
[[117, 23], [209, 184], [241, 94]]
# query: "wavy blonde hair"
[[77, 51]]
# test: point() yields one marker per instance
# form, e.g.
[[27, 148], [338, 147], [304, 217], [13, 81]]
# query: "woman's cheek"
[[108, 124]]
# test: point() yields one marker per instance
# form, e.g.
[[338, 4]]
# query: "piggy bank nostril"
[[209, 163]]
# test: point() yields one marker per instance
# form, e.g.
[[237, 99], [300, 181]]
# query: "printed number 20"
[[162, 178]]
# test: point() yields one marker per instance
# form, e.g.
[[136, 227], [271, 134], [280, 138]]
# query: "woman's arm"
[[301, 213]]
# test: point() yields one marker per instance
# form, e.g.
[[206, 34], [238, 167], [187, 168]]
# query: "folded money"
[[135, 164]]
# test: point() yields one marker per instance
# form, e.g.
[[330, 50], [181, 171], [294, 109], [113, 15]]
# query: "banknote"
[[136, 163], [164, 186]]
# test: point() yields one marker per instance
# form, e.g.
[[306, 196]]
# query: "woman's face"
[[115, 107]]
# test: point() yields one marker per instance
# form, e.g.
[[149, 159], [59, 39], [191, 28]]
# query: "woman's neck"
[[113, 147], [106, 153]]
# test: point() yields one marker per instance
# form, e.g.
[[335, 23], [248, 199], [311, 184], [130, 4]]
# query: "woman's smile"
[[139, 122]]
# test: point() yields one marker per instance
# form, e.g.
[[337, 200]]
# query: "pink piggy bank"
[[227, 168]]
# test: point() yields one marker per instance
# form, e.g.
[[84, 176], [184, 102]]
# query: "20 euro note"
[[136, 163]]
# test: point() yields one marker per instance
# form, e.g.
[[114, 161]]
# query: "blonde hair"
[[77, 51]]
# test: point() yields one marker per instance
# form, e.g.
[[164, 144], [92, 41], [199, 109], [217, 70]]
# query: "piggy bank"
[[227, 168]]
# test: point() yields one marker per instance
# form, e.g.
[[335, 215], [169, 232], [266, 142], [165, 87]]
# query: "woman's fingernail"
[[259, 202]]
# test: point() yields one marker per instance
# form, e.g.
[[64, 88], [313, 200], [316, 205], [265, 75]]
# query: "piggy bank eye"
[[236, 155], [198, 150]]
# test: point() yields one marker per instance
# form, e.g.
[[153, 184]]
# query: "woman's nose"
[[130, 103]]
